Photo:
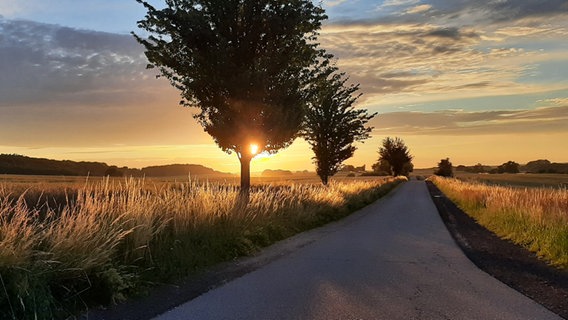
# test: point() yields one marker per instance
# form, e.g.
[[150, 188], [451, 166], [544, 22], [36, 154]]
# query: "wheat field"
[[536, 218], [68, 245]]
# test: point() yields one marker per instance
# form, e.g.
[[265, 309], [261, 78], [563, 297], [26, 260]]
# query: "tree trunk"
[[245, 174]]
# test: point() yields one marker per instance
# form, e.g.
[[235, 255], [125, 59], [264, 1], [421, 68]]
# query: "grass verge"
[[66, 248], [536, 218]]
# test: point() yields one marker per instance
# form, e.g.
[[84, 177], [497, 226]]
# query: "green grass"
[[536, 218], [68, 245]]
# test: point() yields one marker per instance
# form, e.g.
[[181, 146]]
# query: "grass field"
[[68, 243], [518, 180], [549, 180], [536, 218]]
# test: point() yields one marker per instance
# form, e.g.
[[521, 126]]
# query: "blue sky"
[[433, 70]]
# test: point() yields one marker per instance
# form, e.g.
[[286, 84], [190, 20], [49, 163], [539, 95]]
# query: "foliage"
[[396, 154], [445, 168], [478, 168], [536, 218], [507, 167], [545, 166], [109, 239], [382, 168], [244, 63], [351, 168], [332, 123]]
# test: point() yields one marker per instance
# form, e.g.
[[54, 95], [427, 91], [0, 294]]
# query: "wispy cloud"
[[42, 63], [451, 49], [70, 88], [397, 3], [418, 9], [334, 3], [459, 122]]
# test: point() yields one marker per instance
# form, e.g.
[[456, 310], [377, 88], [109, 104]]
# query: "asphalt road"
[[392, 260]]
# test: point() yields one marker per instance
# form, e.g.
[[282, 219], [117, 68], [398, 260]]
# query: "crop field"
[[536, 218], [549, 180], [68, 243]]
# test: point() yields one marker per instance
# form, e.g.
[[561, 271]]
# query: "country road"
[[393, 260]]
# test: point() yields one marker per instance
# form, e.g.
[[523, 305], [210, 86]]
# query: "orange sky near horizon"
[[476, 84]]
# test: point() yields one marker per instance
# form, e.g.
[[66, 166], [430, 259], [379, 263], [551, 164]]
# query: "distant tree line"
[[536, 166], [545, 166], [19, 164]]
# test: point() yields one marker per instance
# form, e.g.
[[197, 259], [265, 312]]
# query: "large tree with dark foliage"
[[445, 168], [244, 63], [332, 124], [396, 153], [509, 167]]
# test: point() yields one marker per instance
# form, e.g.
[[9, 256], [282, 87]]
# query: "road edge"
[[509, 263]]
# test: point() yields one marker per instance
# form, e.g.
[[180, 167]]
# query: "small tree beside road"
[[332, 124], [396, 154], [445, 168]]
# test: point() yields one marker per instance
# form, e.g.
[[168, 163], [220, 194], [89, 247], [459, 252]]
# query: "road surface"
[[393, 260]]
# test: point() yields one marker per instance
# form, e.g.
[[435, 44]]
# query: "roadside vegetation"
[[69, 246], [536, 218]]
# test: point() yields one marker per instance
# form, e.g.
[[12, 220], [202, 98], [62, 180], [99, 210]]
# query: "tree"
[[244, 63], [332, 123], [445, 168], [508, 167], [395, 152], [348, 168], [478, 168], [382, 168]]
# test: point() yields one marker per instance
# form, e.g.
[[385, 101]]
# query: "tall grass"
[[536, 218], [72, 246]]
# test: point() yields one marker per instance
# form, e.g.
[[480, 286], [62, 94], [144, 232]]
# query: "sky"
[[476, 81]]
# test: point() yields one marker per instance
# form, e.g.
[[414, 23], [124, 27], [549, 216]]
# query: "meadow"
[[536, 218], [533, 180], [67, 244]]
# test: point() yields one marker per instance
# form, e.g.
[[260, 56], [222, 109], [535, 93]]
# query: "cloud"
[[334, 3], [450, 51], [65, 87], [483, 12], [459, 122], [409, 58], [398, 3], [418, 9], [531, 31], [554, 102], [42, 63]]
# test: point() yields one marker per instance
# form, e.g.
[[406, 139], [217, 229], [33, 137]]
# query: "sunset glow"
[[482, 83], [254, 149]]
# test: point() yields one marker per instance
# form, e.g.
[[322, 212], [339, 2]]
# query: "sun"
[[254, 149]]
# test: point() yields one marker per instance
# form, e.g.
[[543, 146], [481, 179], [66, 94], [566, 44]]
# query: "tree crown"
[[332, 124], [395, 152], [243, 63]]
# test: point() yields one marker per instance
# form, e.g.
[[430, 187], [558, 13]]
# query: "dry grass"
[[537, 180], [64, 245], [536, 218]]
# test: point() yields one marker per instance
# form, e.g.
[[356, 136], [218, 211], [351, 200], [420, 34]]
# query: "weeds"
[[536, 218], [77, 245]]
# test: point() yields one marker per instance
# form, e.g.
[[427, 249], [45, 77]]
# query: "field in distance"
[[532, 180], [258, 179]]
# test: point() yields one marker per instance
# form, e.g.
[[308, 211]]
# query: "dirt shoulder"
[[509, 263]]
